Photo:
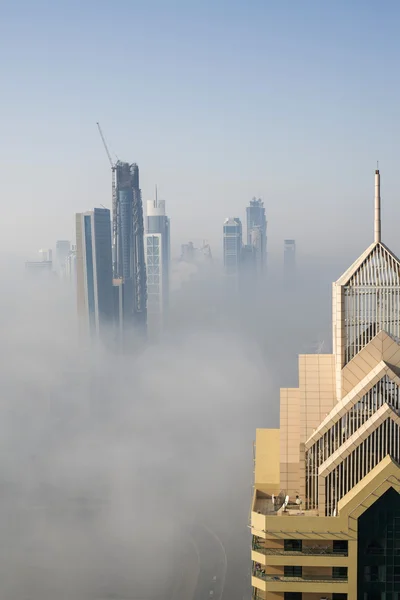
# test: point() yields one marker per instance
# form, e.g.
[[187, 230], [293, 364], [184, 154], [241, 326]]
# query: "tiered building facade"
[[325, 517]]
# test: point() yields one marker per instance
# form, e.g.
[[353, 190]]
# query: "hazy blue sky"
[[217, 101]]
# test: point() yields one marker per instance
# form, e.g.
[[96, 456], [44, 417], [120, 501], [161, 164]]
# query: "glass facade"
[[129, 252], [372, 301], [232, 246], [154, 273], [102, 239], [358, 461], [257, 230], [125, 233], [160, 224], [89, 271], [378, 557], [94, 269]]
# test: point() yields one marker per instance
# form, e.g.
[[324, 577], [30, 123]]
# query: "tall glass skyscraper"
[[94, 271], [257, 231], [232, 245], [289, 264], [129, 257], [157, 255]]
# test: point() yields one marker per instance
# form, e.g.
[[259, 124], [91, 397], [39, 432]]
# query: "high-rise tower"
[[257, 231], [129, 260], [157, 256], [289, 263], [325, 516], [232, 245], [94, 271]]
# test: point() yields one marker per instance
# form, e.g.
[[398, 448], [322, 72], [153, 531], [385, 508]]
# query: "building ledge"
[[306, 579], [304, 552]]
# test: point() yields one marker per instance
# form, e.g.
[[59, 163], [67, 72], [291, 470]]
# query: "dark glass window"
[[378, 556], [293, 545], [341, 546], [290, 571], [339, 572], [292, 596]]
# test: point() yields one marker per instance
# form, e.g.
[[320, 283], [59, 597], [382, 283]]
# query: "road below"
[[213, 564]]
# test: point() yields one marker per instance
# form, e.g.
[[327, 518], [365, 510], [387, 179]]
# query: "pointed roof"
[[376, 253], [373, 256]]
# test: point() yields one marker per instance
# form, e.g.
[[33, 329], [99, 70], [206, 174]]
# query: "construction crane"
[[114, 202]]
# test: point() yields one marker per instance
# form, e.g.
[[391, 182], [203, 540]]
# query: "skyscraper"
[[94, 271], [325, 516], [289, 263], [257, 231], [232, 246], [157, 256], [129, 261], [63, 248]]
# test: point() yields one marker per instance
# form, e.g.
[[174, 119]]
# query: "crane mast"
[[115, 211]]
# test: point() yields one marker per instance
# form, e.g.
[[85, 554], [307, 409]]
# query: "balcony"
[[311, 578], [312, 583], [306, 551]]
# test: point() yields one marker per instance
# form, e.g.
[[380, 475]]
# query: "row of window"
[[337, 572], [339, 546], [298, 596]]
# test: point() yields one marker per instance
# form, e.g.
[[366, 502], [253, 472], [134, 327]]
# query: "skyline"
[[210, 139]]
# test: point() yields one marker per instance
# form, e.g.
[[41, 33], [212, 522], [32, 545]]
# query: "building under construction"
[[129, 267], [128, 244]]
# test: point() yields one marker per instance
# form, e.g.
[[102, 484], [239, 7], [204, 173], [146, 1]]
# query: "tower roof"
[[377, 265]]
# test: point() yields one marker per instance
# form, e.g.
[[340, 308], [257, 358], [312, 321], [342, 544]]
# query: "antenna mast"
[[377, 206]]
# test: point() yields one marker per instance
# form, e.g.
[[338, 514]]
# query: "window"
[[292, 596], [293, 545], [293, 571], [339, 572], [339, 596], [340, 546]]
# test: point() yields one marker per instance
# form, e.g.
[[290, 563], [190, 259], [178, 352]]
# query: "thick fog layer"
[[108, 461]]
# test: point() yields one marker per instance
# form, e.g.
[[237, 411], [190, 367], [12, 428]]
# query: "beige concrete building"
[[325, 516]]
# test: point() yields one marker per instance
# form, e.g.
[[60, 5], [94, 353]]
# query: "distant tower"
[[289, 262], [257, 231], [232, 245], [63, 248], [157, 256], [188, 252], [94, 271], [46, 255]]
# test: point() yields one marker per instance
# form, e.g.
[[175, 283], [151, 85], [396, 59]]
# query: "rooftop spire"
[[377, 206]]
